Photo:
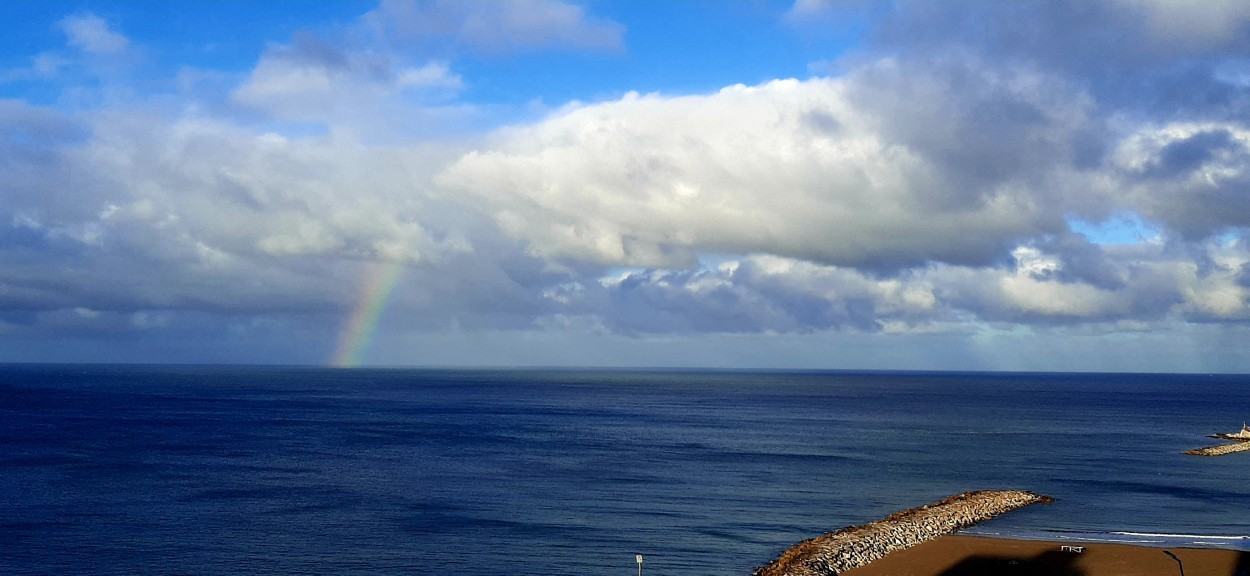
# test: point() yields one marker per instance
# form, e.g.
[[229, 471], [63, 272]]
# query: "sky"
[[1039, 186]]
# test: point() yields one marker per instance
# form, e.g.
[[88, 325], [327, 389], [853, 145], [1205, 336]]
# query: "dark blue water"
[[126, 470]]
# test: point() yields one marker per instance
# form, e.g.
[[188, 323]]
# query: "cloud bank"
[[931, 187]]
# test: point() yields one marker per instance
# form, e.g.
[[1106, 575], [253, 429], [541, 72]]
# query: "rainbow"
[[360, 328]]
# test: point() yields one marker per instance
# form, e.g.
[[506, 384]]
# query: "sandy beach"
[[960, 555]]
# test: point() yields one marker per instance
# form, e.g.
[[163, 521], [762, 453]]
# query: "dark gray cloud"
[[30, 128], [1083, 261], [1150, 57], [1180, 158], [1189, 177]]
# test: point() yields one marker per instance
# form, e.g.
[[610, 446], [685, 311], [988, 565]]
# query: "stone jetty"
[[1220, 450], [1241, 443], [1242, 435], [856, 546]]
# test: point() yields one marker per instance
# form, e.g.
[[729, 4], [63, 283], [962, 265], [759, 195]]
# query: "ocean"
[[265, 470]]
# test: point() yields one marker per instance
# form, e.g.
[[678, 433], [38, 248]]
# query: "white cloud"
[[362, 89], [1030, 296], [1218, 290], [201, 180], [891, 166], [47, 64], [93, 35], [194, 214], [494, 27], [803, 8], [431, 75]]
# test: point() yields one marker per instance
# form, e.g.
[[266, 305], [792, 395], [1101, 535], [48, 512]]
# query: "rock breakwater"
[[856, 546], [1220, 450]]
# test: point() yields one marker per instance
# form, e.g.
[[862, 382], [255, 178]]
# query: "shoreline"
[[1148, 539], [942, 539], [964, 554]]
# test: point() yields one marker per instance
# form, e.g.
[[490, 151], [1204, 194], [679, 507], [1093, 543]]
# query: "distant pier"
[[1241, 443]]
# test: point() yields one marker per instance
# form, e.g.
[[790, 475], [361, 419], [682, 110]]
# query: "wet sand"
[[960, 555]]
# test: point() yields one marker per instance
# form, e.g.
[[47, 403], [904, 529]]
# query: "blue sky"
[[812, 184]]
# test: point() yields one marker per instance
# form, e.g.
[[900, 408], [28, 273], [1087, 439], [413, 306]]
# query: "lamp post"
[[1178, 561], [638, 559]]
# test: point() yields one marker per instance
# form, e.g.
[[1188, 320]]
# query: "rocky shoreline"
[[857, 546]]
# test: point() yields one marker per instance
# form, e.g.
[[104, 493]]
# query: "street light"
[[1178, 561], [638, 559]]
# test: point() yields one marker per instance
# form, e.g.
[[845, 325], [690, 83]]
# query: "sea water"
[[238, 470]]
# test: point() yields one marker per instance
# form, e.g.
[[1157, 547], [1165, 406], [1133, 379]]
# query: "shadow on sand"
[[1052, 563], [1049, 563]]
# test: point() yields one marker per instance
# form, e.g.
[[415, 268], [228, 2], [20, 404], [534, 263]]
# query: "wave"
[[1206, 536], [1236, 542]]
